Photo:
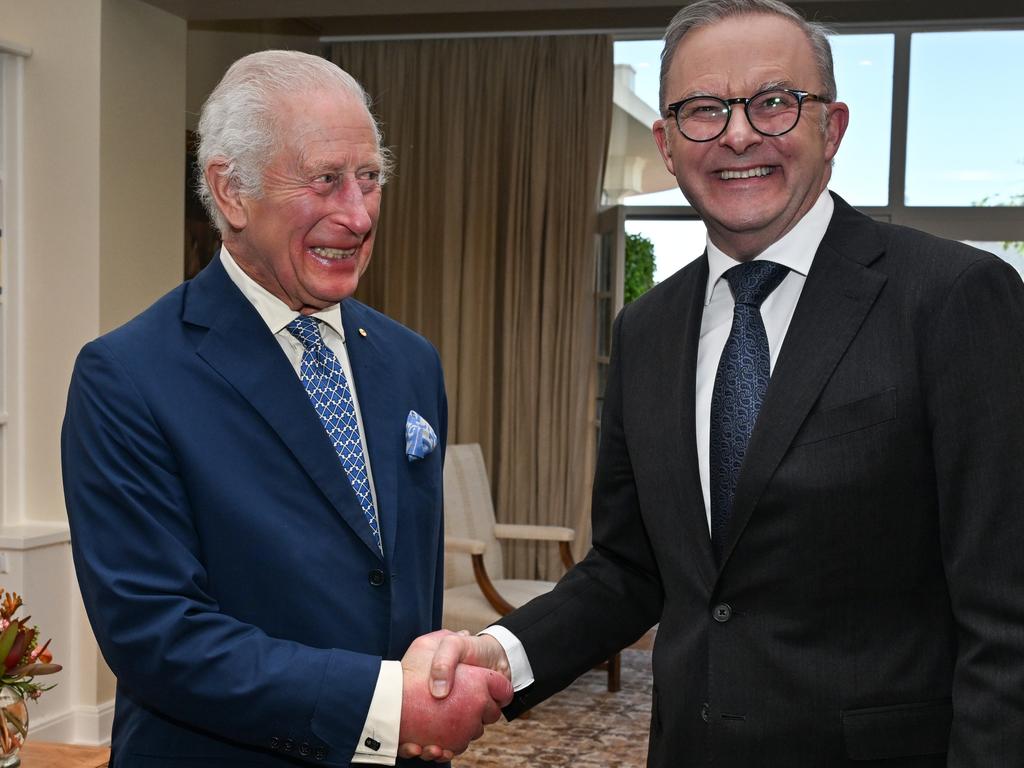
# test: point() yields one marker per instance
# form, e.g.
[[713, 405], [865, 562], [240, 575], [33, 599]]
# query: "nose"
[[351, 209], [739, 135]]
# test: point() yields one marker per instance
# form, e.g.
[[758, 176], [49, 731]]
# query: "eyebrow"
[[767, 85], [317, 169]]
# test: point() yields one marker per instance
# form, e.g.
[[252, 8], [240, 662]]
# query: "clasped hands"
[[453, 684]]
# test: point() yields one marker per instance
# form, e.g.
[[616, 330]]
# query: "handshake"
[[453, 684]]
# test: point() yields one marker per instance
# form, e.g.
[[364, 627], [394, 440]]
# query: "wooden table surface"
[[40, 754]]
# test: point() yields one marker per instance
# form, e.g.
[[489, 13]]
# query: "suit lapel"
[[839, 292], [686, 479], [383, 421], [239, 346]]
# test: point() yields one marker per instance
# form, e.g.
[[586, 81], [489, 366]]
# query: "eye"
[[326, 178], [701, 110]]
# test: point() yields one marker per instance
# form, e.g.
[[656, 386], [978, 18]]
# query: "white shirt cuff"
[[518, 664], [378, 743]]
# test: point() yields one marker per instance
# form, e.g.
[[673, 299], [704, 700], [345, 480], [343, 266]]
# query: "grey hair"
[[239, 125], [704, 13]]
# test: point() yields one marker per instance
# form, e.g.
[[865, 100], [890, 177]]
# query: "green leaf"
[[639, 267], [7, 640]]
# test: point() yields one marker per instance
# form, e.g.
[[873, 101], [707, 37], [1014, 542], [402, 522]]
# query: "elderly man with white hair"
[[252, 466]]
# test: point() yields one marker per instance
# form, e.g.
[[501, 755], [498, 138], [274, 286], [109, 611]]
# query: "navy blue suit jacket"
[[226, 566]]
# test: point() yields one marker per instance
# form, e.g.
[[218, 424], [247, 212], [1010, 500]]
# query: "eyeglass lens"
[[771, 113]]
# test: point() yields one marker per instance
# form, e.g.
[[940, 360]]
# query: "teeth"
[[334, 253], [747, 174]]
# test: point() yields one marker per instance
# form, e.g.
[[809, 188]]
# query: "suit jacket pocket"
[[901, 730], [848, 417]]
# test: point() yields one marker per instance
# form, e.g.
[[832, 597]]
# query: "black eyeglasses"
[[772, 112]]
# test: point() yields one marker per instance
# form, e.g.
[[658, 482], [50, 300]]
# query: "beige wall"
[[109, 90], [103, 168], [102, 237], [211, 52], [142, 158], [58, 273]]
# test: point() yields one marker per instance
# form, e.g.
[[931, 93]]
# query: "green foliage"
[[639, 277], [1015, 200]]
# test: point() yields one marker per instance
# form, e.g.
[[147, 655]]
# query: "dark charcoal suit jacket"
[[870, 606]]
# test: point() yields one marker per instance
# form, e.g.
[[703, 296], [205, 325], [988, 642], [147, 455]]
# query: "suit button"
[[320, 753], [376, 577], [288, 745], [304, 749], [722, 613], [705, 710], [274, 742]]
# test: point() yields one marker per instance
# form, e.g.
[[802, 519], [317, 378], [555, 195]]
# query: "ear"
[[662, 137], [835, 128], [225, 194]]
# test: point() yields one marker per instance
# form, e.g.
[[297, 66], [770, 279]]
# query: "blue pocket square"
[[420, 439]]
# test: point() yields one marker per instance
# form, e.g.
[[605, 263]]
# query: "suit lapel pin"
[[362, 332]]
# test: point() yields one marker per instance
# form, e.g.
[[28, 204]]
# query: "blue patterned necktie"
[[325, 383], [740, 385]]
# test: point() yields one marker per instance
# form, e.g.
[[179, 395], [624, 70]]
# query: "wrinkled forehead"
[[323, 114], [739, 54]]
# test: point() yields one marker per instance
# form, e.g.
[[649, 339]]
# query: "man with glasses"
[[810, 463]]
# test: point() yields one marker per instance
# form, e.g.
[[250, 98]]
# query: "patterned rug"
[[584, 726]]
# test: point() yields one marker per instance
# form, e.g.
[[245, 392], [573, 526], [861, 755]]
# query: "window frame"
[[977, 223]]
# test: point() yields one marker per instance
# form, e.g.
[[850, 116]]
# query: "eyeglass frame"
[[801, 96]]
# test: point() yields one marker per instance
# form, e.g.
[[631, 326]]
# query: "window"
[[932, 142], [964, 119], [863, 66], [677, 241]]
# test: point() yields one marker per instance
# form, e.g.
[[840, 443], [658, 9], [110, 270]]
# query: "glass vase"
[[13, 726]]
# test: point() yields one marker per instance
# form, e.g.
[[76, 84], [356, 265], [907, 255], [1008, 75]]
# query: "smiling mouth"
[[334, 254], [747, 173]]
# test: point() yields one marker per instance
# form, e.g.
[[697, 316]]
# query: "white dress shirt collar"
[[275, 313], [795, 249]]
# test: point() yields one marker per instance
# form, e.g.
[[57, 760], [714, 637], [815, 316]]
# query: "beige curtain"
[[486, 246]]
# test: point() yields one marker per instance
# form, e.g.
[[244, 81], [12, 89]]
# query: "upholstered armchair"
[[476, 592]]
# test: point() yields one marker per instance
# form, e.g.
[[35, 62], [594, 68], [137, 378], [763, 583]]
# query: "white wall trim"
[[78, 725], [15, 49], [19, 538]]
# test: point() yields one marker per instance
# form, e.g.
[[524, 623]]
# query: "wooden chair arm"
[[564, 537], [500, 604], [475, 549]]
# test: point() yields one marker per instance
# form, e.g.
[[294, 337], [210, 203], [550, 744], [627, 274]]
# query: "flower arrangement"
[[23, 659], [21, 655]]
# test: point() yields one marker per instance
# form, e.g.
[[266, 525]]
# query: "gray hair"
[[704, 13], [238, 122]]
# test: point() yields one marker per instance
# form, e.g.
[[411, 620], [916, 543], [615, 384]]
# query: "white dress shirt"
[[795, 250], [384, 716]]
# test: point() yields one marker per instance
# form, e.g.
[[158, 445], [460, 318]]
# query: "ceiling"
[[398, 17]]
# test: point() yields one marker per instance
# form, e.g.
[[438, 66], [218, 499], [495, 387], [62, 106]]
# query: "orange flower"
[[10, 603]]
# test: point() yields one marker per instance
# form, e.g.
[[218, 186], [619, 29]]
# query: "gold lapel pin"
[[362, 332]]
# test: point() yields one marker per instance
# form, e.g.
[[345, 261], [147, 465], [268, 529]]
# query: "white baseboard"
[[78, 725]]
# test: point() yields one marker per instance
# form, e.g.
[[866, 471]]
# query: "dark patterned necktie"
[[740, 385], [324, 380]]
